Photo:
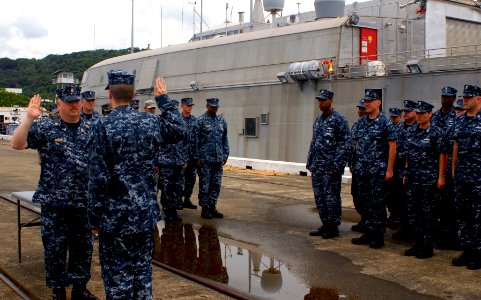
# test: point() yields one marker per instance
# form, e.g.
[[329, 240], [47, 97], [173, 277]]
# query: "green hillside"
[[35, 75]]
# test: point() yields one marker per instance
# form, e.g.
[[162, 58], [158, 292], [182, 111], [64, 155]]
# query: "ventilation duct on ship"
[[329, 8]]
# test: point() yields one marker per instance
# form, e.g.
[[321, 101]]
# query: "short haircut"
[[122, 92]]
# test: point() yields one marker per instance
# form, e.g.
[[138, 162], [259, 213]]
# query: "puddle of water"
[[237, 264]]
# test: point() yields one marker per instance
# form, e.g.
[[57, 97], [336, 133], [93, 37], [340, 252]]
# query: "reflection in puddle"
[[237, 264]]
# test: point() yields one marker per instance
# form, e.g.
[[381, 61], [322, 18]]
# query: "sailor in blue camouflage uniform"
[[459, 107], [410, 120], [62, 144], [122, 189], [376, 151], [190, 171], [447, 230], [467, 177], [88, 114], [172, 161], [135, 104], [212, 153], [327, 157], [425, 153], [395, 186], [359, 227]]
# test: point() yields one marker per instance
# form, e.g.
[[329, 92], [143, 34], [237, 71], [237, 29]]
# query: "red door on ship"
[[368, 46]]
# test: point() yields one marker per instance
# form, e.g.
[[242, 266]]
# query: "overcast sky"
[[35, 29]]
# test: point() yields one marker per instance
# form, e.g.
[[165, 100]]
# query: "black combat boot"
[[425, 251], [331, 232], [171, 215], [319, 232], [188, 204], [206, 214], [59, 294], [475, 261], [80, 292], [359, 227], [377, 240], [364, 239], [215, 213], [462, 260]]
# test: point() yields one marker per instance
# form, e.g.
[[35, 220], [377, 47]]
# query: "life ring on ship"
[[328, 69]]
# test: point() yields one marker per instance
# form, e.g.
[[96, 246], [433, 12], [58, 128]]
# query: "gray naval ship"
[[267, 74]]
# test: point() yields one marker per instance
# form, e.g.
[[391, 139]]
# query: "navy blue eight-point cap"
[[395, 112], [135, 103], [361, 104], [88, 95], [409, 105], [448, 91], [471, 91], [71, 93], [423, 106], [324, 95], [371, 95], [187, 101], [459, 104], [120, 77], [213, 102]]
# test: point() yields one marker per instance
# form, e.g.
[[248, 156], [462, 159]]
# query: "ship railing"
[[466, 57]]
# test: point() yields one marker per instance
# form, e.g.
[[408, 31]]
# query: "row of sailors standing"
[[205, 150], [425, 170]]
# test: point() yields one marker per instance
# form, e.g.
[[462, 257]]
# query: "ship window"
[[250, 126], [264, 119]]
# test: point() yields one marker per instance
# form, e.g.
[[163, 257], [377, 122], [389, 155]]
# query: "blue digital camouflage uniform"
[[212, 150], [467, 179], [327, 157], [91, 119], [354, 185], [190, 171], [171, 161], [445, 206], [395, 187], [62, 193], [422, 148], [122, 192], [372, 137]]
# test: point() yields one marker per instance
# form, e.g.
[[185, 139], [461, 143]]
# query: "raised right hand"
[[34, 109]]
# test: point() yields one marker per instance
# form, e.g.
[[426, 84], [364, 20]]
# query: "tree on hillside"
[[8, 99]]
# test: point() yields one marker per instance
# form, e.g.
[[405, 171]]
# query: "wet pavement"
[[262, 246]]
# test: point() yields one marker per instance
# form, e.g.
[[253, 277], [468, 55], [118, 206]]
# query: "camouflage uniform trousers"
[[468, 202], [420, 211], [189, 174], [171, 185], [396, 202], [126, 262], [355, 195], [446, 208], [210, 178], [327, 194], [372, 193], [66, 229]]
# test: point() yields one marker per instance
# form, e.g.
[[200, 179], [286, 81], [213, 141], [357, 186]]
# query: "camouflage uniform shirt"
[[467, 133], [330, 143], [372, 149], [64, 162], [122, 187], [212, 143]]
